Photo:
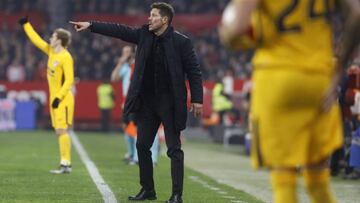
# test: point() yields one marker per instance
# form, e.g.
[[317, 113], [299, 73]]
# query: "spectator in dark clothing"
[[157, 92]]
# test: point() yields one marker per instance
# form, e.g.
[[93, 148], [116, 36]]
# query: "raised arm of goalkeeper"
[[34, 36]]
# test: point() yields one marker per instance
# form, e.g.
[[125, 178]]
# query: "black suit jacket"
[[180, 59]]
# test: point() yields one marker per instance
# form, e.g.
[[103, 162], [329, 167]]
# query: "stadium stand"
[[95, 56]]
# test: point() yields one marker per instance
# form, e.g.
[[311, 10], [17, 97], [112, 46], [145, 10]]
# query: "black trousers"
[[153, 111], [105, 119]]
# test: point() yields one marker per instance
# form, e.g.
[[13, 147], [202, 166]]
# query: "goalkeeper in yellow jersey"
[[60, 76]]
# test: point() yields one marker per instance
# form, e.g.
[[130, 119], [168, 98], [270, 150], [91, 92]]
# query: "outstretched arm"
[[120, 31], [80, 26], [33, 36]]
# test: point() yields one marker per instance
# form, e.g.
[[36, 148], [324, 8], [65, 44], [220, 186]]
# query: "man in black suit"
[[157, 92]]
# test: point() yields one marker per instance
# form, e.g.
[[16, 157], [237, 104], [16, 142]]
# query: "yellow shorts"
[[62, 117], [288, 128]]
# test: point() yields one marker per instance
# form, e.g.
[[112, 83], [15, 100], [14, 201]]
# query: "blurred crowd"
[[96, 56], [10, 6], [132, 7], [117, 6]]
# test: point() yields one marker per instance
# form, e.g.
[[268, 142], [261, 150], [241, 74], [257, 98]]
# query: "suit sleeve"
[[120, 31], [69, 77], [192, 70], [36, 39]]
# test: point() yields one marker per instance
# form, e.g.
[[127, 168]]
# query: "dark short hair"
[[64, 36], [165, 10]]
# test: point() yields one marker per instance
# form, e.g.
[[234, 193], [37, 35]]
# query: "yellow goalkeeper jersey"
[[60, 66], [294, 34]]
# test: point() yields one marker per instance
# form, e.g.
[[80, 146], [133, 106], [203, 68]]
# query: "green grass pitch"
[[27, 157]]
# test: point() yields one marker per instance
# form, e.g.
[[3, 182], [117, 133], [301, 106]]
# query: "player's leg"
[[135, 157], [130, 149], [131, 132], [283, 182], [64, 146], [317, 182], [326, 138], [155, 148], [65, 152], [63, 117]]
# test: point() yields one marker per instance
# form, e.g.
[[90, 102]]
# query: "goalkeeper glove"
[[55, 103], [23, 20]]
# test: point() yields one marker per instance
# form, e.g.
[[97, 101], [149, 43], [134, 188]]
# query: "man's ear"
[[165, 19]]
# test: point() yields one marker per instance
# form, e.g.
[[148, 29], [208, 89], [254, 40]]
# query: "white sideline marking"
[[215, 189], [107, 195]]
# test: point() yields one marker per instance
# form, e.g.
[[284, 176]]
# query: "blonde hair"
[[64, 36]]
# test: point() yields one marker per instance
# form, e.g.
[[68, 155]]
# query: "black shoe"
[[143, 195], [175, 198]]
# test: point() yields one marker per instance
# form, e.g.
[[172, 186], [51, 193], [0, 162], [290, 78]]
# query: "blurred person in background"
[[157, 93], [221, 102], [7, 111], [123, 71], [228, 81], [106, 97], [348, 95], [351, 110], [60, 76], [15, 72], [295, 84]]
